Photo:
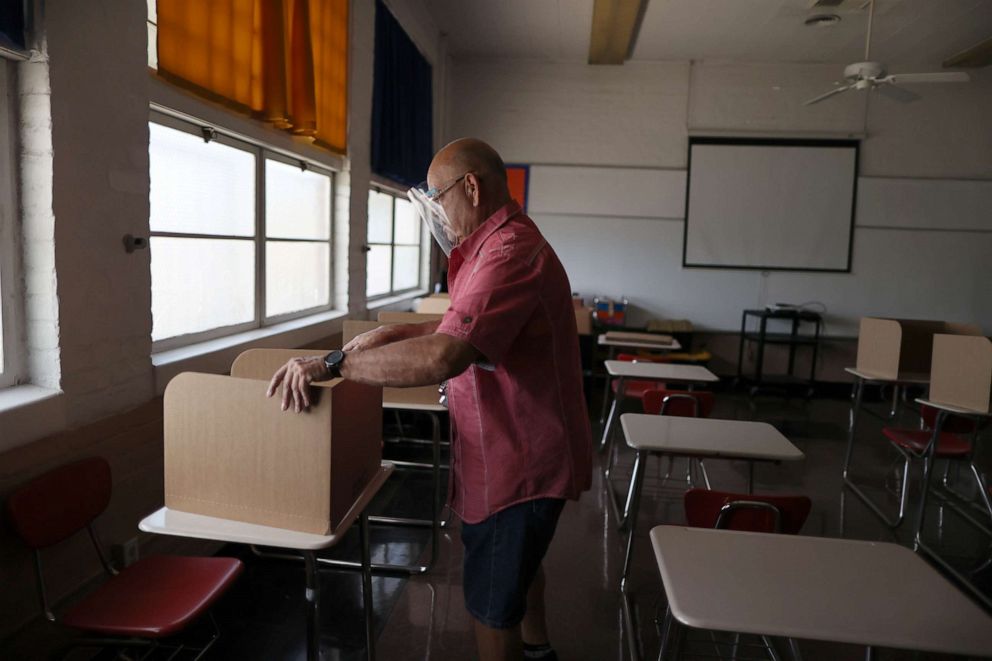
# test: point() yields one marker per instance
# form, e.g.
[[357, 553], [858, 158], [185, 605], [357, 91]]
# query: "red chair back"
[[702, 510], [954, 424], [678, 404], [59, 503]]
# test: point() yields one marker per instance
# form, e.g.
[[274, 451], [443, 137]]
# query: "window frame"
[[12, 363], [395, 193], [262, 153]]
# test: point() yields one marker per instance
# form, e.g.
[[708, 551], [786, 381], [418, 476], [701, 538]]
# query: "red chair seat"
[[637, 387], [948, 445], [156, 597]]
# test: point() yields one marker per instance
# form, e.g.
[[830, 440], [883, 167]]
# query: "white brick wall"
[[84, 165], [41, 310]]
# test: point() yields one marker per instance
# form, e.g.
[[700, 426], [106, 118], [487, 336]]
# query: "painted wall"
[[609, 148], [84, 184]]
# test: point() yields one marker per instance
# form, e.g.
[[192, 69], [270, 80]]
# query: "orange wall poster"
[[518, 179]]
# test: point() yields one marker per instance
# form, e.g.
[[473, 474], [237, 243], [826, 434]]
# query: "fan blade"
[[897, 93], [836, 90], [914, 78]]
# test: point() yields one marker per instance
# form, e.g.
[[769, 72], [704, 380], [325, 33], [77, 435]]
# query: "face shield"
[[425, 201]]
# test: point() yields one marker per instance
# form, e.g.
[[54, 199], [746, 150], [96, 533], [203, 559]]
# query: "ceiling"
[[922, 33]]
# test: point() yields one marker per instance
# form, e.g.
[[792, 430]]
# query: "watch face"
[[334, 359]]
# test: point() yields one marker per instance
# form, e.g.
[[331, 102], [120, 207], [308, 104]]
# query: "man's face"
[[455, 201]]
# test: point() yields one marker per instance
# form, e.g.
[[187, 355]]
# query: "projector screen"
[[770, 204]]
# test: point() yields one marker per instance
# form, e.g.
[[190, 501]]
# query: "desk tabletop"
[[605, 341], [950, 408], [865, 593], [911, 378], [660, 371], [423, 398], [183, 524], [706, 437]]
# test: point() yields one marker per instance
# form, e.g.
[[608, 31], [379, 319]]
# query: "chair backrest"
[[955, 424], [687, 404], [57, 504], [784, 514]]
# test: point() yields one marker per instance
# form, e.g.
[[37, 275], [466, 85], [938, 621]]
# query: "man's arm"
[[419, 361], [390, 333]]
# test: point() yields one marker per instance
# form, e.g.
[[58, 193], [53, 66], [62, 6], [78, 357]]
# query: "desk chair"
[[660, 401], [140, 605], [956, 443], [744, 512], [688, 404], [636, 388]]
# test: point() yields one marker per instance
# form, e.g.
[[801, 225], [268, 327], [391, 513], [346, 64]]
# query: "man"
[[508, 348]]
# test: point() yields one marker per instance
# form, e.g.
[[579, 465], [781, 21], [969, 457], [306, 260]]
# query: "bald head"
[[470, 155], [477, 179]]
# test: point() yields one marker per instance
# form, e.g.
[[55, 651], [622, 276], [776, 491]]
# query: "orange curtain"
[[283, 61]]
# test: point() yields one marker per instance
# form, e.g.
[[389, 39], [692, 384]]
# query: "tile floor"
[[423, 618]]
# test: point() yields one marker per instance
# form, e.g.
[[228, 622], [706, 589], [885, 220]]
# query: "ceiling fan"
[[869, 75]]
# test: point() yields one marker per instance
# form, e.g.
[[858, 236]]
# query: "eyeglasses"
[[433, 194]]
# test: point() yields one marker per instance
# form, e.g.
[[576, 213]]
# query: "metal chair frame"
[[673, 634]]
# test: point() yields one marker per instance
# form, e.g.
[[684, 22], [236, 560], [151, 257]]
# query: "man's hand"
[[376, 337], [296, 377]]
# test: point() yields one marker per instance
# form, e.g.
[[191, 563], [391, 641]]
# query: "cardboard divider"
[[391, 396], [902, 348], [961, 373], [231, 452], [390, 317], [583, 320], [646, 338], [433, 304]]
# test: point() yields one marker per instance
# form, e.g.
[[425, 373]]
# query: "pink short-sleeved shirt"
[[519, 427]]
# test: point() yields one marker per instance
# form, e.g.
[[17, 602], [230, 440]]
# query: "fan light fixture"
[[822, 20]]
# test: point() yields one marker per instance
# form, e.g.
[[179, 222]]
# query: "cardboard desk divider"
[[391, 317], [902, 348], [645, 338], [583, 320], [961, 374], [353, 327], [433, 304], [231, 452]]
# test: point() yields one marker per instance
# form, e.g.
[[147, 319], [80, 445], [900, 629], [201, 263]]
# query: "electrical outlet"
[[126, 554]]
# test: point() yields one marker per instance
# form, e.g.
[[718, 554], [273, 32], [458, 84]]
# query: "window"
[[395, 249], [240, 235], [10, 290]]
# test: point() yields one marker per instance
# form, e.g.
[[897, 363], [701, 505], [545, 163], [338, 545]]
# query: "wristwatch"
[[332, 362]]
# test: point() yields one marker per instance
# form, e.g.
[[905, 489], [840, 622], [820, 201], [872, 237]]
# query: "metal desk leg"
[[630, 512], [367, 589], [606, 391], [760, 358], [918, 543], [313, 606], [608, 428], [859, 386]]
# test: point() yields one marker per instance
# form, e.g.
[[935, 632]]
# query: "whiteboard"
[[770, 204], [609, 191]]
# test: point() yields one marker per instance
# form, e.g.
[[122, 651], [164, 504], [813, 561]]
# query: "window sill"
[[17, 396], [393, 300], [215, 356], [28, 412]]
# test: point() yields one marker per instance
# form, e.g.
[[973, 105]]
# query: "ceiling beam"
[[979, 55], [615, 24]]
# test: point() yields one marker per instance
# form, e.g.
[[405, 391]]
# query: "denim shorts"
[[502, 556]]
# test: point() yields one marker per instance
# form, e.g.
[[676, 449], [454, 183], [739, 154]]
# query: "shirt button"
[[466, 320]]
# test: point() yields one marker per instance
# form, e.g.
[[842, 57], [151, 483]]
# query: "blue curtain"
[[402, 107], [12, 24]]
